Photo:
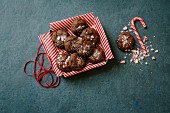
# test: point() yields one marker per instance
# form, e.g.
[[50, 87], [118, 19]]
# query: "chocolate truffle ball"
[[78, 26], [125, 41], [84, 47], [69, 44], [63, 62], [97, 56], [90, 34], [77, 62], [58, 37]]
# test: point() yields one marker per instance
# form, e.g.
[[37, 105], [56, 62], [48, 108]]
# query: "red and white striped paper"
[[52, 51]]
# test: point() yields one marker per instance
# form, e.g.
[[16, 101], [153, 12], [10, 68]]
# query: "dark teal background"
[[114, 88]]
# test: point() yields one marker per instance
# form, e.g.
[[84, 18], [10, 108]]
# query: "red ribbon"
[[42, 72]]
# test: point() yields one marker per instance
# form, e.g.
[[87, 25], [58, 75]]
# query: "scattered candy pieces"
[[153, 58], [129, 24], [152, 49], [125, 28], [138, 56], [156, 51], [145, 39], [123, 62], [130, 30]]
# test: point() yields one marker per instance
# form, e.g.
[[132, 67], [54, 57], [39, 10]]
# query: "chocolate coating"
[[125, 41], [63, 62], [78, 26], [84, 47], [77, 62], [90, 34], [58, 37], [69, 44], [97, 56]]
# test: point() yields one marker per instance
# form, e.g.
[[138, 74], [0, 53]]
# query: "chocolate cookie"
[[97, 56], [84, 47], [77, 62], [78, 26], [90, 34], [69, 44], [58, 37], [125, 41], [63, 62]]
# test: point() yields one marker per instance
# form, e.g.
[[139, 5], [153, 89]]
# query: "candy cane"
[[136, 32]]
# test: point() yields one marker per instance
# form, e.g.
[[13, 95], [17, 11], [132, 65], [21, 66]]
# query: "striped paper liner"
[[52, 51]]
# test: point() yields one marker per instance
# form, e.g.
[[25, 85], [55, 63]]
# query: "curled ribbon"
[[41, 73]]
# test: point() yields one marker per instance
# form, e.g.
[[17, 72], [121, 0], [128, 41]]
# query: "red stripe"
[[136, 32], [48, 56], [68, 21], [89, 19], [51, 47], [104, 39], [56, 26], [50, 44], [47, 45], [52, 27], [64, 24], [46, 39]]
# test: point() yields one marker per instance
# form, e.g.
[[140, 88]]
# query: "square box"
[[52, 51]]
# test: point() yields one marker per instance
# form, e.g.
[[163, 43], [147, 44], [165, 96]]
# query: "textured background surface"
[[114, 88]]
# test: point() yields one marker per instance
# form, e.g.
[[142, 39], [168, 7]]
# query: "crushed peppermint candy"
[[122, 61], [129, 24], [125, 28], [137, 55], [156, 51], [130, 30], [153, 58], [152, 49], [124, 40], [145, 39]]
